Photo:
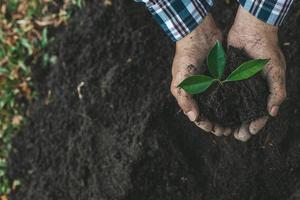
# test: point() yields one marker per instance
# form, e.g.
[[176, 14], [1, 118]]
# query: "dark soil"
[[235, 102], [106, 126]]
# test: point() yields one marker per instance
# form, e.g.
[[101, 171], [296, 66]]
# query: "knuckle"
[[191, 69], [184, 104], [278, 71], [174, 90], [280, 95], [283, 95]]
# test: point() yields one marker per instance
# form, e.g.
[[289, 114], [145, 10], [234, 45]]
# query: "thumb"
[[186, 103], [276, 80]]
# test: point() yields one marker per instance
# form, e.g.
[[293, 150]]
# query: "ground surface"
[[106, 126]]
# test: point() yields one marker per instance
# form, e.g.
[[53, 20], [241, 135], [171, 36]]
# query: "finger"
[[276, 80], [227, 131], [186, 102], [204, 124], [256, 125], [242, 133], [190, 108], [218, 130]]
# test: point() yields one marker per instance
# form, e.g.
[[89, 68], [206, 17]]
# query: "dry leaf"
[[3, 9], [44, 22], [14, 73], [16, 120], [36, 33], [107, 2], [9, 41], [4, 197], [22, 8], [23, 21], [17, 16], [25, 89], [3, 61]]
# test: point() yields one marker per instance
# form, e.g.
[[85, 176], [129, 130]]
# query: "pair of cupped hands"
[[258, 39]]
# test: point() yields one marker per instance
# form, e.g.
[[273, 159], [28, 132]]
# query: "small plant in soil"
[[216, 62]]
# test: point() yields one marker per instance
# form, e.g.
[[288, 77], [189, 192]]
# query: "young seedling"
[[216, 62]]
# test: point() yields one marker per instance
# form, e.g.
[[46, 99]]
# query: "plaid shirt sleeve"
[[179, 17], [270, 11]]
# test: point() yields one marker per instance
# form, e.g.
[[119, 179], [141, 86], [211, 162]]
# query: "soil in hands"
[[236, 102]]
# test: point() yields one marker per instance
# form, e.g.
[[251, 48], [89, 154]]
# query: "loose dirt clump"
[[233, 103], [106, 126]]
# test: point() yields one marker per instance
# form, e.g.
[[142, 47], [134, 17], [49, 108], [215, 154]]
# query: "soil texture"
[[233, 103], [107, 128]]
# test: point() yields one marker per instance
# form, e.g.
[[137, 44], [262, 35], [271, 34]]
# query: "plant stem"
[[219, 81], [225, 81]]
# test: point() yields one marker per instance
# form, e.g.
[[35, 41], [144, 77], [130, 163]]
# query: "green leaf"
[[53, 59], [44, 40], [45, 59], [216, 61], [2, 51], [12, 6], [3, 70], [79, 3], [196, 84], [27, 45], [247, 70]]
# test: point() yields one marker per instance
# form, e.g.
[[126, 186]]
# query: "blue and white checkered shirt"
[[179, 17]]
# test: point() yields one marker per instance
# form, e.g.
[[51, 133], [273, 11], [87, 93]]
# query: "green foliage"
[[79, 3], [44, 40], [196, 84], [216, 62], [24, 33], [247, 70]]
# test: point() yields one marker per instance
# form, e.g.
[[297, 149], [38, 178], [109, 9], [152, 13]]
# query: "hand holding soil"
[[259, 41], [191, 52]]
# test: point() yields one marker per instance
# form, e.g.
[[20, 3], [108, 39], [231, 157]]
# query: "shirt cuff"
[[179, 17], [270, 11]]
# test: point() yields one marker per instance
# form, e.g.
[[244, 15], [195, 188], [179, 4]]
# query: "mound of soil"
[[106, 127], [235, 102]]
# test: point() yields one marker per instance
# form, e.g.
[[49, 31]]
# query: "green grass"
[[23, 34]]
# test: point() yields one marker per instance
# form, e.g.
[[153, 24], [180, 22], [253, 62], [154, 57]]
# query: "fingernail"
[[206, 126], [274, 111], [192, 115], [218, 134], [217, 131], [252, 130], [242, 134], [227, 132], [257, 125]]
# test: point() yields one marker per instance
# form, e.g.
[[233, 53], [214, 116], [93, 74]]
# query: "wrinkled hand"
[[191, 51], [260, 40]]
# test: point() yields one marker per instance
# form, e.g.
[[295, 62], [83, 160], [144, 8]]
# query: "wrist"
[[249, 32], [248, 25], [202, 38], [249, 21]]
